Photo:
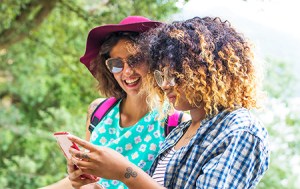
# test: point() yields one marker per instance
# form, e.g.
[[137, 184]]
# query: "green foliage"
[[281, 117], [43, 86], [9, 10], [29, 154], [282, 73]]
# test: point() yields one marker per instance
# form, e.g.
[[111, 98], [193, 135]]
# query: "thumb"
[[98, 186]]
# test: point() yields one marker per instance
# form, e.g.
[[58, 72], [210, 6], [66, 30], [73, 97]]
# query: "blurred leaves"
[[27, 16], [281, 117], [282, 73]]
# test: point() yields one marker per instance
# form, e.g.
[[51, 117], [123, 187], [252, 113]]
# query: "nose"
[[165, 85], [127, 70]]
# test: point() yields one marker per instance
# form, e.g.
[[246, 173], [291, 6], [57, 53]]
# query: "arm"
[[63, 183], [91, 109], [238, 161], [107, 163]]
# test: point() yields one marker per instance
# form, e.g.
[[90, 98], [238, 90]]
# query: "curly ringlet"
[[107, 84], [213, 63]]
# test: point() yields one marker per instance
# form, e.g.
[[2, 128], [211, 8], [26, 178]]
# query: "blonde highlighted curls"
[[213, 64]]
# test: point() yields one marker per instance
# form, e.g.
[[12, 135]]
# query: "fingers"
[[75, 174], [80, 155], [80, 163], [71, 166], [78, 178], [82, 143], [81, 182], [98, 186]]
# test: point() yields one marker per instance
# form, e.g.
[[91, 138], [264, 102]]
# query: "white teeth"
[[130, 81]]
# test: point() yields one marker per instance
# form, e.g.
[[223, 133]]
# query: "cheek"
[[182, 101], [142, 69], [117, 77]]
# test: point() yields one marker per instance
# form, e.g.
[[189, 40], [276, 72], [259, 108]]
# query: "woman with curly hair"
[[203, 66]]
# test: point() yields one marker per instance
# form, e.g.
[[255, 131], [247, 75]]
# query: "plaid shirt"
[[229, 150]]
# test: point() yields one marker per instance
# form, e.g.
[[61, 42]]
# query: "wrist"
[[130, 175]]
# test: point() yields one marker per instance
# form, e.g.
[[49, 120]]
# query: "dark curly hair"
[[107, 85], [211, 61]]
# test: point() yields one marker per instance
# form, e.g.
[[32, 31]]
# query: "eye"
[[132, 60], [115, 65]]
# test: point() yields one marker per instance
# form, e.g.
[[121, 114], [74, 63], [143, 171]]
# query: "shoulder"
[[243, 119], [243, 124], [93, 105]]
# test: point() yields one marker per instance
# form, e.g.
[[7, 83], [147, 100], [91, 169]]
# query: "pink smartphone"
[[65, 144]]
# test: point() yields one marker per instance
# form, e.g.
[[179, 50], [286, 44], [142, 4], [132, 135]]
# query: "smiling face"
[[130, 78]]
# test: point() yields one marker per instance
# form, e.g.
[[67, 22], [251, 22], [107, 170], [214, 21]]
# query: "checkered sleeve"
[[238, 160]]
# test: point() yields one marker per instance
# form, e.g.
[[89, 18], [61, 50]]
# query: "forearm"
[[64, 183], [136, 178]]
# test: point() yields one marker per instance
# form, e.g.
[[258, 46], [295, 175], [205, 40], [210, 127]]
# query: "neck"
[[197, 115], [134, 107]]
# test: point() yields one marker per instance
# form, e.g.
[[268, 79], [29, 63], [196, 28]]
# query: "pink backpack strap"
[[172, 121], [102, 109]]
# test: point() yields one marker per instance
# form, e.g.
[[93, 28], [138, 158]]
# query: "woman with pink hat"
[[128, 127]]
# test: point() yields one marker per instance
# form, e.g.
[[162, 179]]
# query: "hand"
[[99, 161], [98, 186], [92, 186], [76, 178]]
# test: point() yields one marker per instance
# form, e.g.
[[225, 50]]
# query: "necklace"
[[188, 137]]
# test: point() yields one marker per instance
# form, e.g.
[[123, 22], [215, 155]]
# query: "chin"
[[181, 107], [178, 108]]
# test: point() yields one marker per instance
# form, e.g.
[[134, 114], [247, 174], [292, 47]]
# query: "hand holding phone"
[[65, 144]]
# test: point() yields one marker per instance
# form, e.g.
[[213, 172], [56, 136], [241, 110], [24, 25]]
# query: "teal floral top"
[[139, 143]]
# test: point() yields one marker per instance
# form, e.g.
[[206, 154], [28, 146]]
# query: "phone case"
[[65, 144]]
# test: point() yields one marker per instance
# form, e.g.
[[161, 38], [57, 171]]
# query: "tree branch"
[[24, 23]]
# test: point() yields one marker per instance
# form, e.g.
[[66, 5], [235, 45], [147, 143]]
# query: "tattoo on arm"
[[130, 172]]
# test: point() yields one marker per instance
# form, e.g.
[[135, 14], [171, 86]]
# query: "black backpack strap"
[[102, 109]]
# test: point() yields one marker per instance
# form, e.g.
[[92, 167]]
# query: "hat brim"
[[97, 36]]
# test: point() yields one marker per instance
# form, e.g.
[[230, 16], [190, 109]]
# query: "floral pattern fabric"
[[139, 143]]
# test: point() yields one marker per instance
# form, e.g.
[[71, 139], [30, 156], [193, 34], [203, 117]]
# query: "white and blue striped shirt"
[[160, 169]]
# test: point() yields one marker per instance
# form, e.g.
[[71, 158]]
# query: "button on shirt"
[[229, 150]]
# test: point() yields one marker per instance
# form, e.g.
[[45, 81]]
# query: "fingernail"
[[70, 137]]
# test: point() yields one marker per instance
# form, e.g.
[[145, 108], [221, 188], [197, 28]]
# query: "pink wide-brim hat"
[[98, 34]]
